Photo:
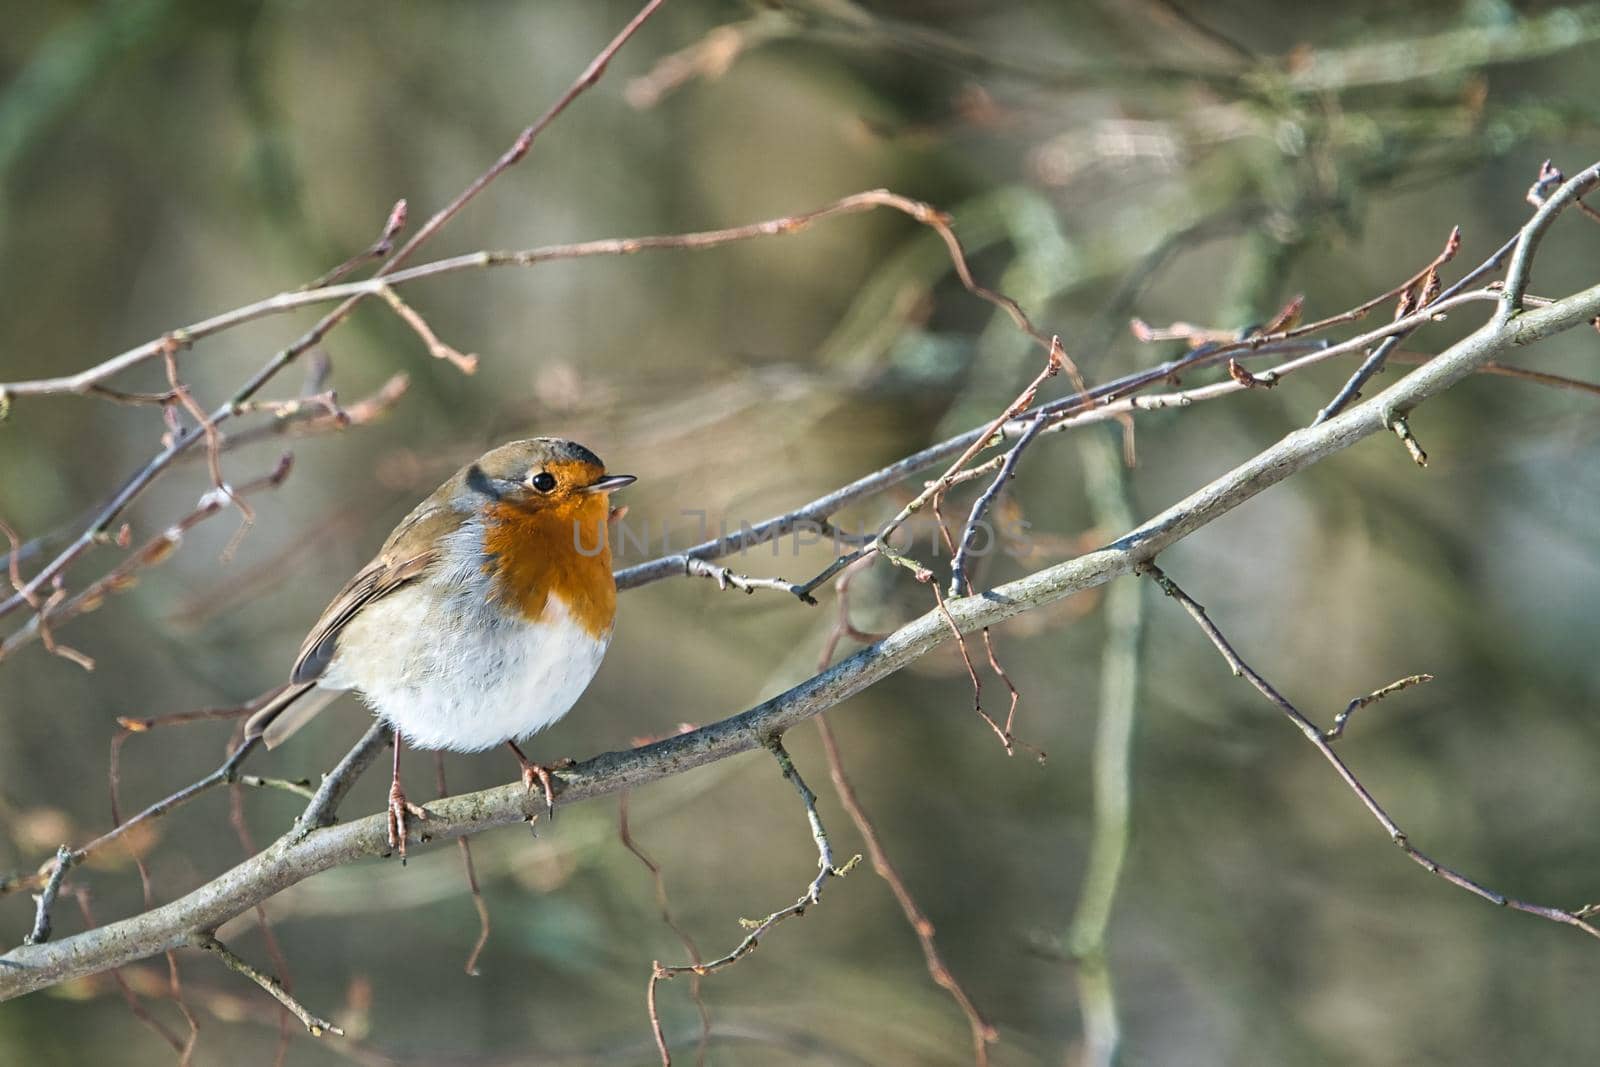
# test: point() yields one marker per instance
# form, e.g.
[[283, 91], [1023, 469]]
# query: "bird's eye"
[[544, 481]]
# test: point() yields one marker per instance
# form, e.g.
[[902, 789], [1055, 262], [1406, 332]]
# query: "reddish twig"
[[181, 443], [182, 718], [842, 626], [174, 976], [122, 577], [129, 997], [222, 775], [524, 141], [376, 250], [664, 905], [983, 1032], [466, 364], [41, 609], [213, 439], [478, 903]]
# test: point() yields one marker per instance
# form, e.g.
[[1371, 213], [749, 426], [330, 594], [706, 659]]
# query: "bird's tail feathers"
[[286, 712]]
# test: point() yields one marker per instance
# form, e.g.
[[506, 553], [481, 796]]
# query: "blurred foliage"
[[163, 159]]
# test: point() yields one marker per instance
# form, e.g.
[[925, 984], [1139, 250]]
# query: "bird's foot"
[[400, 809], [538, 773]]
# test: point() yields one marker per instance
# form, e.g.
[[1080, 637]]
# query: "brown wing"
[[377, 579], [406, 556]]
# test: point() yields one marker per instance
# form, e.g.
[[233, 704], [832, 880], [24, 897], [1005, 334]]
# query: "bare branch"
[[959, 582], [296, 857], [470, 870], [983, 1032], [1528, 241], [1342, 719], [727, 579], [181, 443], [122, 576], [376, 250], [659, 881], [1402, 430], [826, 869], [1100, 403], [47, 898], [466, 364], [314, 1024], [1324, 746], [337, 782]]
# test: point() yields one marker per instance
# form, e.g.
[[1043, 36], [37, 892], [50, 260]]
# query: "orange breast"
[[559, 550]]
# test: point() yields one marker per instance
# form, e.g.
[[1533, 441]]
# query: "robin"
[[481, 620]]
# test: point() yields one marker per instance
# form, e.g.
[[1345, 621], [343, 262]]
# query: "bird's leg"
[[400, 807], [537, 772]]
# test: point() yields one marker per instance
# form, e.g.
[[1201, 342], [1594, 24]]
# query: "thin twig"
[[213, 439], [181, 443], [337, 782], [222, 775], [664, 905], [931, 496], [960, 584], [47, 898], [144, 724], [1532, 235], [478, 903], [299, 787], [1325, 747], [524, 141], [727, 579], [376, 250], [983, 1032], [1551, 175], [465, 363], [1402, 430], [842, 625], [123, 576], [1340, 720], [294, 858], [758, 928], [1554, 381], [147, 892], [269, 937], [174, 983], [315, 1025], [129, 997], [42, 611], [936, 487]]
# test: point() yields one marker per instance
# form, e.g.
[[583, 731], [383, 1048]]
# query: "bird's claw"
[[400, 809], [538, 773]]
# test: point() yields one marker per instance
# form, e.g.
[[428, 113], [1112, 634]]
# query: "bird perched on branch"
[[482, 618]]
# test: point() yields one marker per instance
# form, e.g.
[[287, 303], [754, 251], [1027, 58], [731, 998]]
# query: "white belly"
[[442, 688]]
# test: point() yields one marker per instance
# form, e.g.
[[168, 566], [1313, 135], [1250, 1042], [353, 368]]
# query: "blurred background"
[[162, 160]]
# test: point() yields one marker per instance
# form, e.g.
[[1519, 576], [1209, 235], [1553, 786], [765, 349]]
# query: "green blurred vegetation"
[[164, 159]]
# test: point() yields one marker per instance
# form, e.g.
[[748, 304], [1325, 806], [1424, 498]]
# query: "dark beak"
[[611, 483]]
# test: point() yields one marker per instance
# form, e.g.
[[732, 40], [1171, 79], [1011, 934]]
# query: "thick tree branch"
[[292, 859]]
